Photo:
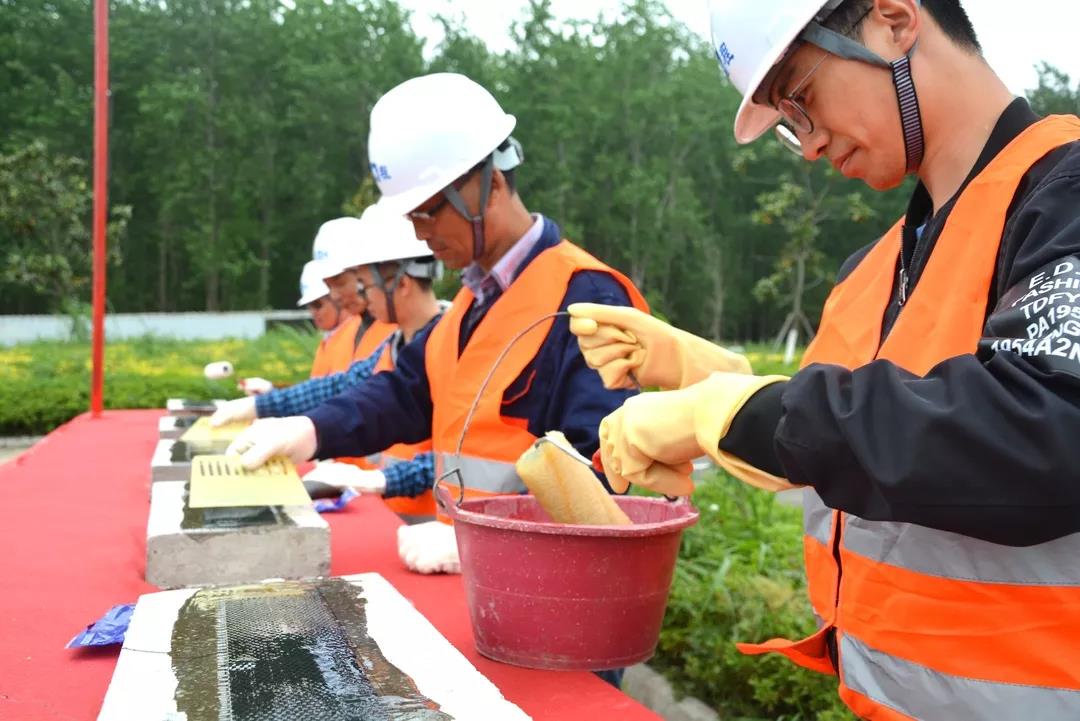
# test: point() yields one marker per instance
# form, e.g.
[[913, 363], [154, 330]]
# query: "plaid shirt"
[[409, 478], [297, 399]]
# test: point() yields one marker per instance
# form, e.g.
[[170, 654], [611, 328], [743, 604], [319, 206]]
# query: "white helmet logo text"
[[725, 57]]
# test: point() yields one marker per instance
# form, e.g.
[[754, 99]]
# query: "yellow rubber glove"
[[619, 341], [651, 440]]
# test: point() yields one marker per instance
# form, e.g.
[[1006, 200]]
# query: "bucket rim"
[[689, 515]]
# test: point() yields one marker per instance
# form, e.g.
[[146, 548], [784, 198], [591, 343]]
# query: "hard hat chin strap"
[[477, 220], [910, 118], [907, 99], [388, 289]]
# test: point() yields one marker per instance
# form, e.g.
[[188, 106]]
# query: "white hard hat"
[[312, 286], [386, 236], [750, 37], [334, 242], [427, 132]]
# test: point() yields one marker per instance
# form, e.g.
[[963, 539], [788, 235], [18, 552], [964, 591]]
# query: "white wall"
[[118, 326]]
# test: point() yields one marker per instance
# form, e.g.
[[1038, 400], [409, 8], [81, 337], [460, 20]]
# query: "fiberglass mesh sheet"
[[330, 649]]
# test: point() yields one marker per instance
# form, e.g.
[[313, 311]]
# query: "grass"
[[44, 384]]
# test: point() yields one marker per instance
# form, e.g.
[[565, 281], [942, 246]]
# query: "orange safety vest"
[[350, 351], [334, 353], [931, 624], [375, 334], [494, 442], [414, 509]]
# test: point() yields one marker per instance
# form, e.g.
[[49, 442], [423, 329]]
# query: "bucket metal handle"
[[442, 498]]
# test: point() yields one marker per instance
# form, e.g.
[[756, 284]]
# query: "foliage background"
[[238, 126], [45, 384]]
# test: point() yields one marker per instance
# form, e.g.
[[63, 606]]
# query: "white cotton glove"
[[346, 475], [429, 548], [293, 437], [234, 411], [255, 386]]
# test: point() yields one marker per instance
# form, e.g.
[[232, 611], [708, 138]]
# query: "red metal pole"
[[101, 182]]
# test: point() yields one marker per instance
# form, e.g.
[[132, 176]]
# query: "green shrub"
[[740, 578], [44, 384]]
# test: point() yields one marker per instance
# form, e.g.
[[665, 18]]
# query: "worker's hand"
[[293, 437], [651, 440], [234, 411], [619, 341], [255, 386], [346, 475], [429, 548]]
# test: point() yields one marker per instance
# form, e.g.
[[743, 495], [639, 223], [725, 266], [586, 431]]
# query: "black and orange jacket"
[[984, 444]]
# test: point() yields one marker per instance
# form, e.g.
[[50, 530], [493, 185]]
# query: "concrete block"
[[205, 546], [653, 691], [172, 427], [188, 407], [172, 458]]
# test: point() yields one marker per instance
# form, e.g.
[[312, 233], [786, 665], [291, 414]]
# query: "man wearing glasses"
[[352, 352], [935, 421], [505, 338]]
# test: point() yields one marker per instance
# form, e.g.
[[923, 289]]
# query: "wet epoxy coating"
[[283, 651]]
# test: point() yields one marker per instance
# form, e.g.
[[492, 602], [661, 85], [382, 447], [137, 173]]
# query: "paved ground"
[[9, 451]]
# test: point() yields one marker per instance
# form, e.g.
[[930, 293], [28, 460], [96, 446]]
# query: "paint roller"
[[565, 486], [219, 370]]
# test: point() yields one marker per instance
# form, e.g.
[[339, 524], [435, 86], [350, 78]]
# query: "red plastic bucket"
[[553, 596]]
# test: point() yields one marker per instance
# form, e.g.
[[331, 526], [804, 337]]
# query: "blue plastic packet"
[[107, 630], [327, 505]]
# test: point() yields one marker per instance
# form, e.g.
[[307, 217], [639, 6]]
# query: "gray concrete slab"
[[12, 447], [652, 690], [195, 547]]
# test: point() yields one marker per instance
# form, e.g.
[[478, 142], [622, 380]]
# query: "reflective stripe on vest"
[[919, 692], [934, 624], [494, 442], [411, 509], [479, 474]]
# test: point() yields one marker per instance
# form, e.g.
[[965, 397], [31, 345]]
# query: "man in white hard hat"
[[396, 272], [326, 316], [334, 245], [359, 335], [934, 422], [453, 174]]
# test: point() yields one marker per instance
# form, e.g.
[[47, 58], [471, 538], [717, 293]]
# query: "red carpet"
[[73, 538]]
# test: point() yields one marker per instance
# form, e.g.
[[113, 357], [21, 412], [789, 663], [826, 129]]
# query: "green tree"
[[1055, 93], [45, 215], [800, 207]]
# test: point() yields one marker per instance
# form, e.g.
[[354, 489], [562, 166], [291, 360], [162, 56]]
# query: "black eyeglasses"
[[426, 216], [796, 119]]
